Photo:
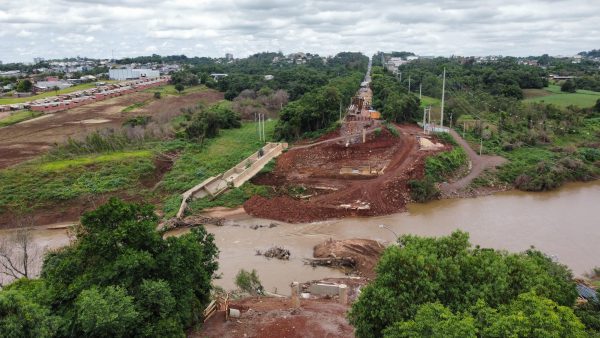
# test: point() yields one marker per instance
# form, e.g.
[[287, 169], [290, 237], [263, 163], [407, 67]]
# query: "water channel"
[[564, 223]]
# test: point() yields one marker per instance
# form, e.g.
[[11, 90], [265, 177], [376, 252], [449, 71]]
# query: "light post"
[[383, 226]]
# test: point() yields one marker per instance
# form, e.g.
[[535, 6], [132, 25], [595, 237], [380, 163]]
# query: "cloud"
[[97, 28]]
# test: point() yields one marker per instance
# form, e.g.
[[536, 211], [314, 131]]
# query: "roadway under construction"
[[360, 170]]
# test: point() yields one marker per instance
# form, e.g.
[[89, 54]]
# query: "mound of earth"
[[364, 252]]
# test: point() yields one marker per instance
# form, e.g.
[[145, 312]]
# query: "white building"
[[132, 74]]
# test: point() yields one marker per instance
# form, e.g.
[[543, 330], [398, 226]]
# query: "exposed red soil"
[[276, 318], [29, 139], [364, 252], [330, 194]]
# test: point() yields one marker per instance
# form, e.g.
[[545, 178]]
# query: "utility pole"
[[409, 83], [480, 146], [420, 87], [340, 110], [400, 77], [424, 114], [443, 96]]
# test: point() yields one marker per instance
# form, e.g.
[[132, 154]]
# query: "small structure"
[[218, 76]]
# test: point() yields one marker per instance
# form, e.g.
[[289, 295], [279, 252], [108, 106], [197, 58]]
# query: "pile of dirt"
[[275, 317], [365, 179], [364, 252]]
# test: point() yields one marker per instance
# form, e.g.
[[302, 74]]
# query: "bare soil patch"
[[327, 193], [275, 317]]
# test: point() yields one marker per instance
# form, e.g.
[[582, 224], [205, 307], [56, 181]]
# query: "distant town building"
[[229, 56], [44, 86], [217, 76], [11, 73], [37, 60], [132, 74]]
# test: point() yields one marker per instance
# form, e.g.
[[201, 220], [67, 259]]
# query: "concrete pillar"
[[295, 295], [343, 293], [364, 135]]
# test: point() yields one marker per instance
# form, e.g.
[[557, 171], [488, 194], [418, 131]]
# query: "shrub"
[[423, 190], [157, 95], [444, 164], [249, 282]]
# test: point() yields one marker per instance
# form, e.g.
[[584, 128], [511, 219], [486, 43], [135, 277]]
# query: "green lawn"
[[582, 98], [19, 116], [82, 86], [170, 90]]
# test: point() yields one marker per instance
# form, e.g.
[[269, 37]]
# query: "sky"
[[98, 28]]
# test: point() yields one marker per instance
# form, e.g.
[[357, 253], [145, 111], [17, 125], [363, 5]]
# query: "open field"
[[553, 95], [83, 86], [23, 141], [430, 101], [312, 183], [18, 116]]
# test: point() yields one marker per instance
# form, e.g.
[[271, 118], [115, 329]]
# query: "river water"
[[564, 223]]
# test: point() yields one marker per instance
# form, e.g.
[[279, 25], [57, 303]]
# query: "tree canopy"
[[419, 272], [120, 278]]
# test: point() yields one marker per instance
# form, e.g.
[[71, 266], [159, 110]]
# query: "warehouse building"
[[132, 74]]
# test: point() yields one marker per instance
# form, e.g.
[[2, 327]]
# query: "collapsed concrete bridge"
[[234, 177]]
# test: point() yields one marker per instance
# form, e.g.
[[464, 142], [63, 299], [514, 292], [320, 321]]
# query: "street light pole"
[[383, 226]]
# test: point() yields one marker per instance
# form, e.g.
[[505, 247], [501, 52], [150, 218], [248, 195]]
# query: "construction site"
[[361, 170]]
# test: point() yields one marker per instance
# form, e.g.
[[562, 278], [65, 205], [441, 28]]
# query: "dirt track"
[[478, 165], [329, 194], [26, 140]]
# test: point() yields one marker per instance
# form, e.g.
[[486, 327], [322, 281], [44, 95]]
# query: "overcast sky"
[[94, 28]]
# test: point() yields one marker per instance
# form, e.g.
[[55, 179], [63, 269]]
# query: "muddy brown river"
[[563, 223]]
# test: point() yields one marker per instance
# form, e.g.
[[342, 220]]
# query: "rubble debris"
[[191, 221], [361, 255], [275, 252]]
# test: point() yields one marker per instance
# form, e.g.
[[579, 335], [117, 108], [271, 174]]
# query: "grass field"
[[170, 90], [95, 159], [19, 116], [83, 86], [553, 95]]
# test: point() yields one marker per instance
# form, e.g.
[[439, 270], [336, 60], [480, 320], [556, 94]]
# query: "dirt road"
[[478, 165]]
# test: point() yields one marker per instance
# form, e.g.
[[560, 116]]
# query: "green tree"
[[179, 88], [449, 271], [24, 86], [22, 316], [105, 312], [597, 106], [150, 284], [568, 87], [434, 320], [533, 316]]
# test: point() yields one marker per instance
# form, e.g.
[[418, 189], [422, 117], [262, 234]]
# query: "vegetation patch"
[[581, 98], [19, 116], [134, 106], [89, 160]]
